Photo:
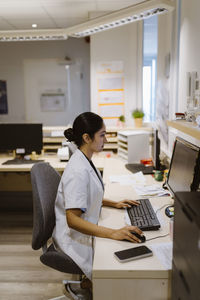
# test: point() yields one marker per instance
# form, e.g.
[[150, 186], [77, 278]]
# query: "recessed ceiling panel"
[[67, 22], [73, 10]]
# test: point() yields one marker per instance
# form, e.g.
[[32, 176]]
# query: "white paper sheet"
[[137, 178], [111, 96], [164, 253], [111, 110], [112, 83]]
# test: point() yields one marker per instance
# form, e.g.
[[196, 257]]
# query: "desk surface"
[[50, 158], [105, 264]]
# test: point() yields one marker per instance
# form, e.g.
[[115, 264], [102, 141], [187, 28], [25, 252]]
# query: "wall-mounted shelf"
[[186, 127]]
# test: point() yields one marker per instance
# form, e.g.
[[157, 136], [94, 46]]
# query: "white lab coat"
[[79, 188]]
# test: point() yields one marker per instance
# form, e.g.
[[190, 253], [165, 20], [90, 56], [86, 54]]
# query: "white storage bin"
[[133, 145]]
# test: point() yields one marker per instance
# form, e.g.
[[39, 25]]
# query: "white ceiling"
[[50, 14]]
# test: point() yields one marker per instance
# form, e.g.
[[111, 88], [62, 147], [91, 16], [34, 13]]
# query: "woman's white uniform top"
[[79, 188]]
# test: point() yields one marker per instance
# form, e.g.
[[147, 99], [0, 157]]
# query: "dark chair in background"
[[45, 181]]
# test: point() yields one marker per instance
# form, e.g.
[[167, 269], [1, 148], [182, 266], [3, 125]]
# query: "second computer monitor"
[[184, 167], [22, 137]]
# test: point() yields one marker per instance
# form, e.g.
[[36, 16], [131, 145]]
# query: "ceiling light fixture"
[[121, 17], [34, 25], [33, 35], [117, 18]]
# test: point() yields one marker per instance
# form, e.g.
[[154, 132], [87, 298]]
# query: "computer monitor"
[[23, 138], [156, 150], [184, 174]]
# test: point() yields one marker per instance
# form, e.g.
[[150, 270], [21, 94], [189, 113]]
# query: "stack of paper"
[[150, 190]]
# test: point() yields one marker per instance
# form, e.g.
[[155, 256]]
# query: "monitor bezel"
[[196, 179]]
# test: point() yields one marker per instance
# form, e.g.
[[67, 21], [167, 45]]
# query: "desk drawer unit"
[[131, 289]]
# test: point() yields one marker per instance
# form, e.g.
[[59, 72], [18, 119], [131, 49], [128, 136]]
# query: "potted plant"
[[138, 115], [121, 121]]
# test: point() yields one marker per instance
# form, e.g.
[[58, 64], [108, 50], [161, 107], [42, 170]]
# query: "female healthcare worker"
[[80, 198]]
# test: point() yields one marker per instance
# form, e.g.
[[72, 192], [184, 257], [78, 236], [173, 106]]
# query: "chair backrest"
[[45, 180]]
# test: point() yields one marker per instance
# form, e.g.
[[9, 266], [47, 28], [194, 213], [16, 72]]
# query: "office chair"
[[45, 180]]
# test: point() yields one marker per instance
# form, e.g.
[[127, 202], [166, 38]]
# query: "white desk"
[[17, 177], [144, 279]]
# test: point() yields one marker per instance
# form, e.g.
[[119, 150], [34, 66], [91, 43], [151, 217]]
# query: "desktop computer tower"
[[186, 247]]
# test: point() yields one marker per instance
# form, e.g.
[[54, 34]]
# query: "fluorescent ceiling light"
[[121, 17], [117, 18], [33, 35]]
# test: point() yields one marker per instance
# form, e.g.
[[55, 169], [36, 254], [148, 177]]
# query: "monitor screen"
[[183, 175], [21, 136]]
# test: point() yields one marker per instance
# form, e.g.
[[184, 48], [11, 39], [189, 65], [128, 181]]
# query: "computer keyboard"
[[143, 216], [140, 167]]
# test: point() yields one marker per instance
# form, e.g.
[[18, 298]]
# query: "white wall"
[[189, 61], [189, 46], [12, 59], [125, 44], [119, 44]]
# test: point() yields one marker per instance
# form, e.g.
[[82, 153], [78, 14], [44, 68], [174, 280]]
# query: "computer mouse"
[[142, 238]]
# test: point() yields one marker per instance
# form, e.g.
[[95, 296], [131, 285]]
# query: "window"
[[150, 30]]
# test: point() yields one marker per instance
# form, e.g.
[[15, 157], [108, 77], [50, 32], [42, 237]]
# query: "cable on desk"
[[157, 237], [162, 207], [160, 236]]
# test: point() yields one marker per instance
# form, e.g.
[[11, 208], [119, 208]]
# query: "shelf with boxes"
[[111, 136], [53, 137]]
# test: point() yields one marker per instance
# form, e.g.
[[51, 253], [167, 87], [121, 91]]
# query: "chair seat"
[[59, 261]]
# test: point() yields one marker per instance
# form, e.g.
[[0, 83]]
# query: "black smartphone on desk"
[[133, 253]]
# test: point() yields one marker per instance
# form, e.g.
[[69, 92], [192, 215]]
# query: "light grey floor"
[[22, 275]]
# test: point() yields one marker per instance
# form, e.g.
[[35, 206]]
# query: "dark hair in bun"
[[68, 133], [86, 122]]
